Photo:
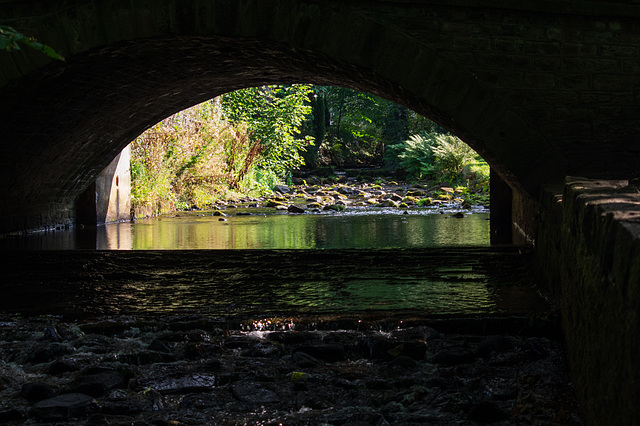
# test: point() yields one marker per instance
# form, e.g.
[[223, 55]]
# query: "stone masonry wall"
[[589, 251]]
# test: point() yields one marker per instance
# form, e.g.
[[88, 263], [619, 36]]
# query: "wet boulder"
[[385, 348], [254, 393], [49, 353], [493, 344], [62, 366], [291, 337], [328, 353], [146, 357], [295, 209], [421, 333], [64, 407], [180, 384], [96, 382], [12, 415], [454, 356], [486, 412], [304, 360], [36, 391], [283, 189]]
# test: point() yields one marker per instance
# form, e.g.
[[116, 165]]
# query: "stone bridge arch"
[[130, 64]]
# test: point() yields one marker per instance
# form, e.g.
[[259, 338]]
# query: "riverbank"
[[314, 194]]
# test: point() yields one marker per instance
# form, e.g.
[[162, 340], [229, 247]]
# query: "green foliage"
[[10, 40], [273, 116], [356, 127], [243, 142], [431, 156], [416, 156], [475, 176], [450, 154], [425, 202]]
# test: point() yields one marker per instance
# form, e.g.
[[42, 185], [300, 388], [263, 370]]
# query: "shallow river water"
[[379, 260], [355, 228], [364, 318]]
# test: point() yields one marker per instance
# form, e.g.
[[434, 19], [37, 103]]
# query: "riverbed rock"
[[283, 189], [12, 415], [486, 412], [382, 348], [420, 333], [345, 190], [273, 203], [145, 357], [454, 356], [254, 393], [96, 382], [36, 391], [304, 360], [493, 344], [295, 209], [180, 384], [62, 366], [334, 207], [49, 353], [327, 353], [267, 376], [388, 203], [64, 407]]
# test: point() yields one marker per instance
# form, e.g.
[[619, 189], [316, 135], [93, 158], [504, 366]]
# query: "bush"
[[246, 141], [431, 156], [450, 154], [416, 155]]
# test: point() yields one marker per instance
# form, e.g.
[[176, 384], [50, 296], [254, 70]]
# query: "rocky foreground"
[[198, 370]]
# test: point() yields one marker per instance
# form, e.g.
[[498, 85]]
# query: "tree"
[[273, 116], [358, 125]]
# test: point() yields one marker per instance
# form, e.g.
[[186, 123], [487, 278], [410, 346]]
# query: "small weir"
[[270, 282]]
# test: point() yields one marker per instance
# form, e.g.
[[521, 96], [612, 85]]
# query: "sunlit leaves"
[[10, 40], [273, 116]]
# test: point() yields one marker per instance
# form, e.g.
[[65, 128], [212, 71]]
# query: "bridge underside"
[[540, 90]]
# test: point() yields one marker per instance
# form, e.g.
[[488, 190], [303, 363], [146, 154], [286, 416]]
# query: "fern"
[[451, 154]]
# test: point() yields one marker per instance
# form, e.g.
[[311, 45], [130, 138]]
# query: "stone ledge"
[[589, 249]]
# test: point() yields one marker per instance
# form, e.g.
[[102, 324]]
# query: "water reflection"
[[189, 231], [201, 230]]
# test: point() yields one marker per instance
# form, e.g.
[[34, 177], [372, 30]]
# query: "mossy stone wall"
[[589, 252]]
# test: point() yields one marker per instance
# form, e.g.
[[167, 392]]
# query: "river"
[[355, 228]]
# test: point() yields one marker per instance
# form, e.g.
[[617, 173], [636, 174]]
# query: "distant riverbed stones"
[[298, 199]]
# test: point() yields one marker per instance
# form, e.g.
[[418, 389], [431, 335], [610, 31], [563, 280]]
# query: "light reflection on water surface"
[[442, 272], [306, 231]]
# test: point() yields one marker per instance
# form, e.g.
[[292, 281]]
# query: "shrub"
[[417, 155], [431, 155], [450, 154]]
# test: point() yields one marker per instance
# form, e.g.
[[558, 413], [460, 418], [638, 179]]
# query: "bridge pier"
[[588, 252], [108, 199], [501, 200]]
